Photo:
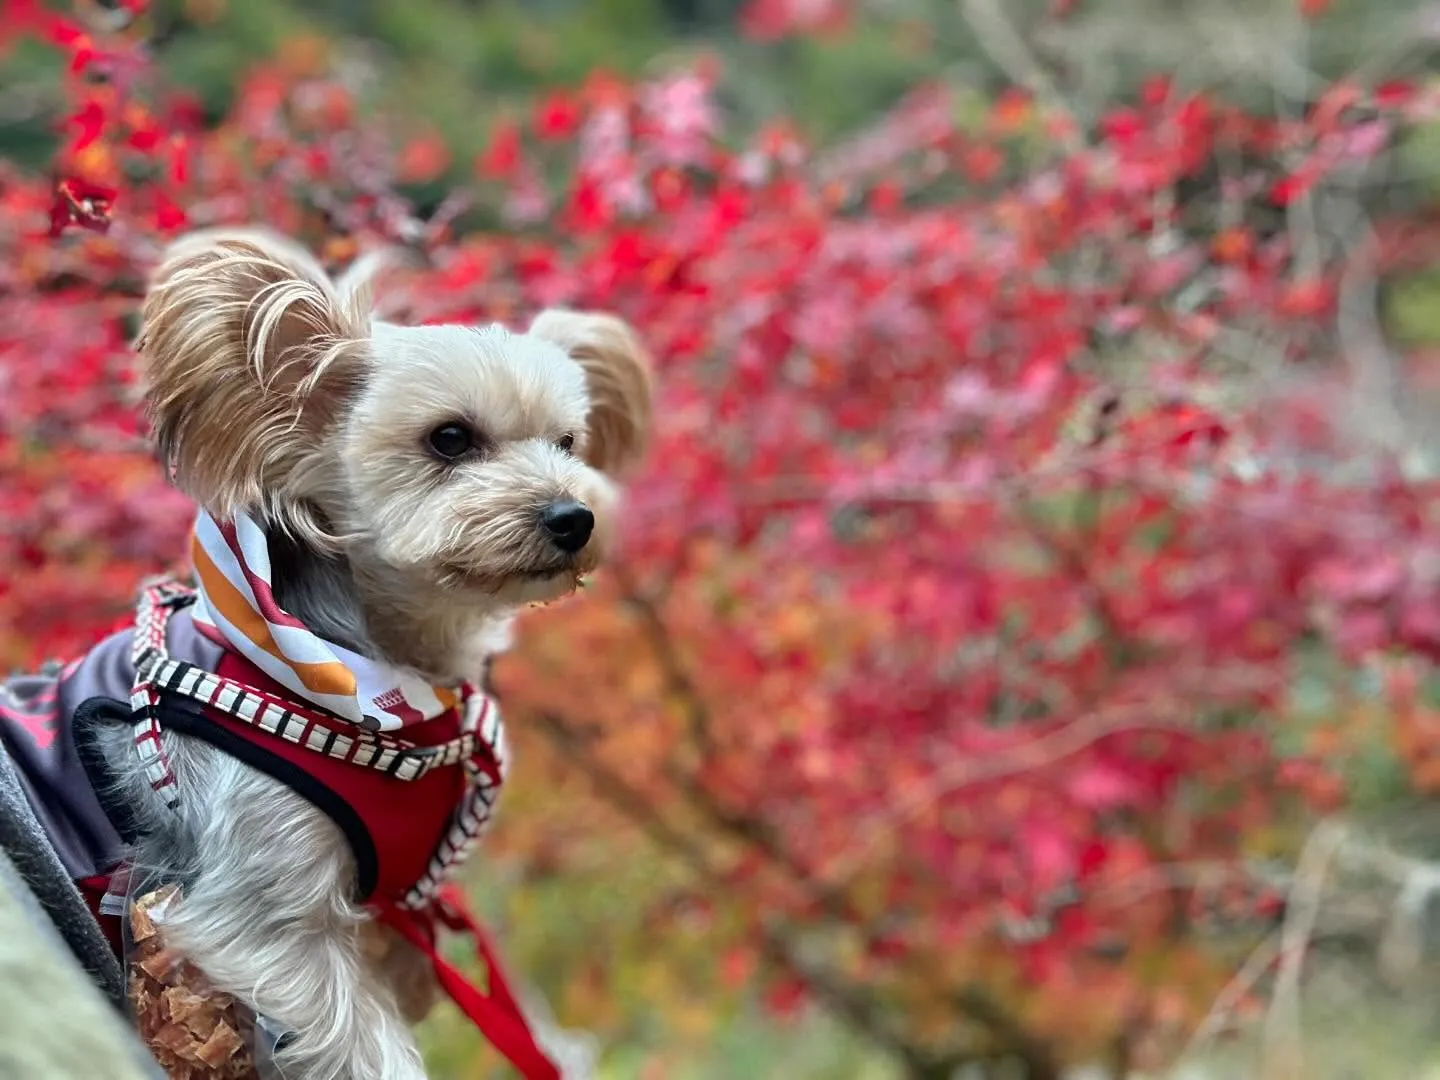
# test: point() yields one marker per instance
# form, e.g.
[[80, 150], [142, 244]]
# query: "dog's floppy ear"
[[249, 352], [617, 371]]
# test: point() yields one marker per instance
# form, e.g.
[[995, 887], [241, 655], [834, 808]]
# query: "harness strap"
[[312, 730], [157, 673], [497, 1014], [157, 600], [479, 747]]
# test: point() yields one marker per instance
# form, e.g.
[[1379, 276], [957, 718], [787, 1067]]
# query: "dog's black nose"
[[569, 524]]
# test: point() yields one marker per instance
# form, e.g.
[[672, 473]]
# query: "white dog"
[[304, 746]]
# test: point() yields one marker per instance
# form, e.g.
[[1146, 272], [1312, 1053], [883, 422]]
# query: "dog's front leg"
[[267, 915], [408, 972]]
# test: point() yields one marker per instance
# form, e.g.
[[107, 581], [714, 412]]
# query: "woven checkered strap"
[[479, 747], [481, 720], [157, 600]]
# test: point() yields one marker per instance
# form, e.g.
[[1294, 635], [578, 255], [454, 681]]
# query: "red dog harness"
[[411, 807]]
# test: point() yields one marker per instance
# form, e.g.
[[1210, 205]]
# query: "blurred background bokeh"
[[1021, 659]]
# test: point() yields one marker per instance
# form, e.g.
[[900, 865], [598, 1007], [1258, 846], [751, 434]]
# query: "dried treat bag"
[[193, 1030]]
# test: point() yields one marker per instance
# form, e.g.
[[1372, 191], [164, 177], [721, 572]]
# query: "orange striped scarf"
[[236, 608]]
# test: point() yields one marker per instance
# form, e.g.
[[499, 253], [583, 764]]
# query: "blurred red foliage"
[[963, 605]]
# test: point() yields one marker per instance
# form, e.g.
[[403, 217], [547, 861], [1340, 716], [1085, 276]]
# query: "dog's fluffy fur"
[[271, 391]]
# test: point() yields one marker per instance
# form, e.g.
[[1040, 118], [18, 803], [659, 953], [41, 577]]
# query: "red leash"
[[497, 1014]]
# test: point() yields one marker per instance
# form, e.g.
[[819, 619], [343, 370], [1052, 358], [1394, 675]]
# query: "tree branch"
[[677, 679]]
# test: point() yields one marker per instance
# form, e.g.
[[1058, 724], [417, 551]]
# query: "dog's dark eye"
[[566, 442], [451, 440]]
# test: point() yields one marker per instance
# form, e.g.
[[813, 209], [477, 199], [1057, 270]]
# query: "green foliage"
[[1413, 309]]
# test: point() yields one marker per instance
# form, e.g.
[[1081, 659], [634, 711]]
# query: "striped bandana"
[[236, 609]]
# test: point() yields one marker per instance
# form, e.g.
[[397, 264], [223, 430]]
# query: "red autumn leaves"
[[961, 608]]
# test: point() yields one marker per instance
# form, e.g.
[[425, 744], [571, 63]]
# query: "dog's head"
[[472, 460]]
